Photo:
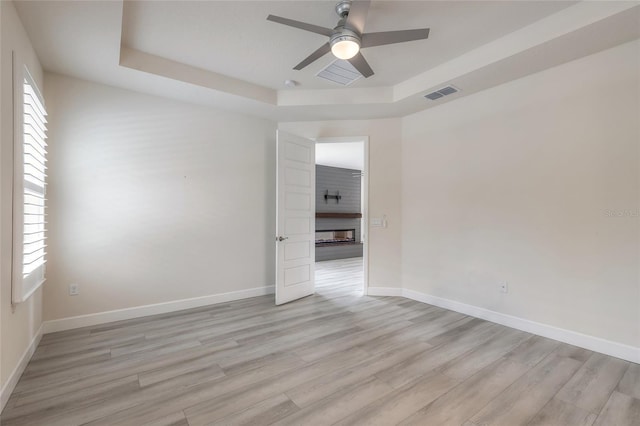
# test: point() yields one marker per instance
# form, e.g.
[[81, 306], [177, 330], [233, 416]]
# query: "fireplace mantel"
[[338, 215]]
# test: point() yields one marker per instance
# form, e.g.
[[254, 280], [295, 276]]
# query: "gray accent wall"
[[337, 179], [348, 182]]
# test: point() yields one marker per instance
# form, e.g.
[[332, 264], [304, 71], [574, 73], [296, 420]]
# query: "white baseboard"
[[159, 308], [615, 349], [13, 379], [384, 291]]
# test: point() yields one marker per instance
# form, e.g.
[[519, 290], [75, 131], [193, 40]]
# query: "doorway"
[[341, 234]]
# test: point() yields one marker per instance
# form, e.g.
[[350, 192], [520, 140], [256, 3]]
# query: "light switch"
[[377, 222]]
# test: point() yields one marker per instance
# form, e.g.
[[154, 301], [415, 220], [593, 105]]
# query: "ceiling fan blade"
[[358, 15], [300, 25], [361, 65], [391, 37], [323, 50]]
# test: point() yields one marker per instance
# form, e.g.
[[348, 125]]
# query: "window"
[[29, 192]]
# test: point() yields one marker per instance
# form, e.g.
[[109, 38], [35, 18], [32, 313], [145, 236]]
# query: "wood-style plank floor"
[[333, 358]]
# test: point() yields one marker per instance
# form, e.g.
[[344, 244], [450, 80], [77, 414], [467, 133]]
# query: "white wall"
[[515, 183], [152, 200], [384, 187], [19, 324]]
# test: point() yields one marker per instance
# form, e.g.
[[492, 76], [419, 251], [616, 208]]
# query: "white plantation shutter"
[[29, 193]]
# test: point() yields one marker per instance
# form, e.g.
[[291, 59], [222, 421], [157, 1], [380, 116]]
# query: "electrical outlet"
[[74, 290], [504, 287]]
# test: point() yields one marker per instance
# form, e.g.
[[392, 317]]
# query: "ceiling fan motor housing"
[[340, 33]]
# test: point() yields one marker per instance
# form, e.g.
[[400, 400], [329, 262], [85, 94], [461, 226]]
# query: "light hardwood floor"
[[333, 358]]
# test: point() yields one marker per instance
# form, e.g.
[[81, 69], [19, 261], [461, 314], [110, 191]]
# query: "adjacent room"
[[340, 201], [327, 212]]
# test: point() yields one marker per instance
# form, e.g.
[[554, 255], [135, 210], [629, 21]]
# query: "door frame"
[[365, 200]]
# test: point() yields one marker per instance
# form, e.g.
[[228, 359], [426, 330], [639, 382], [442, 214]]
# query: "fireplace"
[[335, 236]]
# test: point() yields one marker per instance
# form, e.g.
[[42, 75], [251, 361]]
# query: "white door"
[[295, 217]]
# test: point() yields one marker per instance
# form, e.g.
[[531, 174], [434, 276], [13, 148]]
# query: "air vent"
[[340, 72], [445, 91]]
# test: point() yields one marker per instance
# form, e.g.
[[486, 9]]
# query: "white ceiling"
[[234, 38], [226, 55], [347, 155]]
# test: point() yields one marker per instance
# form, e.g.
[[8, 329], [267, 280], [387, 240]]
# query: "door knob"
[[281, 238]]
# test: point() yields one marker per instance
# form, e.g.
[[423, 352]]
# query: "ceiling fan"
[[348, 37]]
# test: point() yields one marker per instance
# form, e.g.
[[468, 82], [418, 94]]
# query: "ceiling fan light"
[[345, 48]]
